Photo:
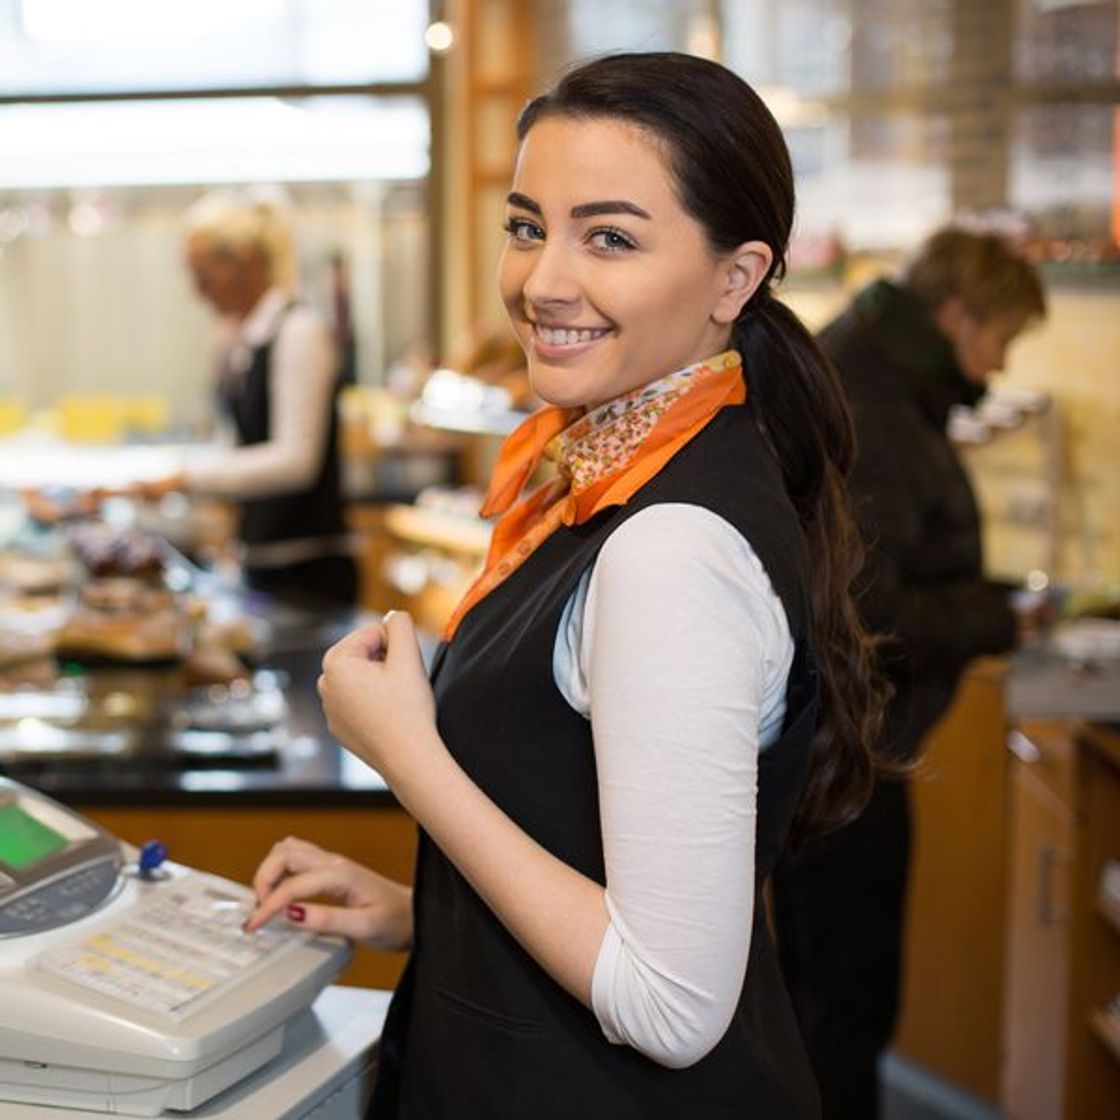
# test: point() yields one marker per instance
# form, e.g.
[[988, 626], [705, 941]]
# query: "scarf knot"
[[603, 456]]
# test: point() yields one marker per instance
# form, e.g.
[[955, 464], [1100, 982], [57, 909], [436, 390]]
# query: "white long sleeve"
[[677, 648], [301, 385]]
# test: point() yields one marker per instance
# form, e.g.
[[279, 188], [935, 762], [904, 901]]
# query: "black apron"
[[477, 1028], [297, 515]]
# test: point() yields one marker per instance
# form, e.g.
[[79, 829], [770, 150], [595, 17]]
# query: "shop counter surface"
[[1043, 684], [309, 768], [224, 817]]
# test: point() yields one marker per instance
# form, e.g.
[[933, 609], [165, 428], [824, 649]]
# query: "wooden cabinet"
[[953, 965], [1038, 928], [1093, 1073], [1012, 960], [1062, 1046]]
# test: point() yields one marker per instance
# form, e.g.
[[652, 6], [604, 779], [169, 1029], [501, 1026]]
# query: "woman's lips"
[[558, 342]]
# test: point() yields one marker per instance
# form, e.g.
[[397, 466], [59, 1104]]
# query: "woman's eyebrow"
[[608, 206], [584, 210], [523, 202]]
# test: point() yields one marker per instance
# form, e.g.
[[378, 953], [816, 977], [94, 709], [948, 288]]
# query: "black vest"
[[477, 1029], [297, 514]]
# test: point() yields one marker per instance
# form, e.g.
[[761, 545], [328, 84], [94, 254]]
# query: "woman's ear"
[[744, 270]]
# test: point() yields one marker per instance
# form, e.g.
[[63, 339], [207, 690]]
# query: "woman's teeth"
[[559, 336]]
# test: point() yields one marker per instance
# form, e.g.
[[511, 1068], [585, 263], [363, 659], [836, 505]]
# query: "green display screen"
[[23, 839]]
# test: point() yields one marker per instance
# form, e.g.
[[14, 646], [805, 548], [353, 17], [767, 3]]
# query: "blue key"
[[152, 854]]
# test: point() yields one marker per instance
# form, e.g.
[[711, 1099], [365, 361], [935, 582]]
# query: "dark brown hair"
[[981, 268], [733, 175]]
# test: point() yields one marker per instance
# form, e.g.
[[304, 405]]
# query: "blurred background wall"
[[395, 151]]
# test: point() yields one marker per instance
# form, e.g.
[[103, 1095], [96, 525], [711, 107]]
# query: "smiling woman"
[[659, 672], [608, 281]]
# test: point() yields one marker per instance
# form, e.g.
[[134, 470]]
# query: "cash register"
[[127, 983]]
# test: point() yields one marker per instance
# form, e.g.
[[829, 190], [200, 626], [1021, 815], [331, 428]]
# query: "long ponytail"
[[800, 408]]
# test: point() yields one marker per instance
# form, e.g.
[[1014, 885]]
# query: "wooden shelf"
[[1109, 912], [1107, 1029], [415, 525]]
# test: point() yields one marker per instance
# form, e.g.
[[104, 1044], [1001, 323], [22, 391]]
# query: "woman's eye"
[[520, 229], [611, 240]]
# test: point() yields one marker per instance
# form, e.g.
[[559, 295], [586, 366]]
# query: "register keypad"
[[180, 943]]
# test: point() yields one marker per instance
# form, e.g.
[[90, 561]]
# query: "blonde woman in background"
[[277, 384]]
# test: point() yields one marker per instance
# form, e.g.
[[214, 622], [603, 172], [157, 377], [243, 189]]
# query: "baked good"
[[105, 550]]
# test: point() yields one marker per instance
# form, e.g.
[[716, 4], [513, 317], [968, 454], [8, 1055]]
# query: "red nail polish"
[[296, 913]]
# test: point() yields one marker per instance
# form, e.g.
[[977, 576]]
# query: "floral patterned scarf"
[[603, 456]]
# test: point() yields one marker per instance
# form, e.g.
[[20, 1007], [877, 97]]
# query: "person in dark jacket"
[[907, 352], [658, 674]]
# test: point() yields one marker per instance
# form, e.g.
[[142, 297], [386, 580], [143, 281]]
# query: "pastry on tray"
[[26, 659], [34, 575], [34, 672], [51, 505], [109, 551], [125, 595], [156, 637], [212, 664], [125, 620]]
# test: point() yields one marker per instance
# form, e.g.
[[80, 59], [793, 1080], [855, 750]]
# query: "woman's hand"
[[378, 703], [154, 489], [374, 910], [377, 698]]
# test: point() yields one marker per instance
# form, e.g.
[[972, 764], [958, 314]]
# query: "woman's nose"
[[551, 280]]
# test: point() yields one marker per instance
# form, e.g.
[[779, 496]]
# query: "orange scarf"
[[603, 456]]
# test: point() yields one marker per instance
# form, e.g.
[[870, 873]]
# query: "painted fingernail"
[[296, 913]]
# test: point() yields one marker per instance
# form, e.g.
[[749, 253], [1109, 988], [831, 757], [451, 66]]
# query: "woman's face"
[[608, 282], [230, 282]]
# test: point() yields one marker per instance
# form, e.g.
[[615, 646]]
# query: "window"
[[110, 46], [901, 114], [116, 115]]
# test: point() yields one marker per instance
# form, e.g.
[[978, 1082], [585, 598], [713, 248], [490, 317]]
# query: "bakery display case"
[[160, 700]]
